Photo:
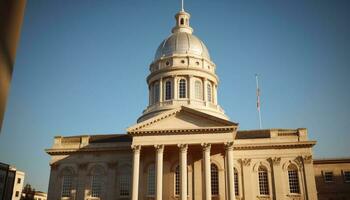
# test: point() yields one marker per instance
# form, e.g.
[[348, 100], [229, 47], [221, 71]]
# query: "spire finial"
[[182, 5]]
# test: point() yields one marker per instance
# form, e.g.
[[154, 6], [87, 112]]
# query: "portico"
[[194, 129]]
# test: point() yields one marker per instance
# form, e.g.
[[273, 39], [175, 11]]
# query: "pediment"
[[183, 118]]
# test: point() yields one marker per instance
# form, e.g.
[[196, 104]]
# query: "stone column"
[[183, 171], [277, 177], [191, 89], [309, 175], [159, 171], [135, 171], [205, 91], [161, 90], [207, 174], [230, 170], [247, 185], [175, 93]]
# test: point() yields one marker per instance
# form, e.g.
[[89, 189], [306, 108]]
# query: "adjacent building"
[[11, 182], [184, 146]]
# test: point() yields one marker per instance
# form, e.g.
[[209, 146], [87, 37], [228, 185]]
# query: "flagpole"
[[258, 99]]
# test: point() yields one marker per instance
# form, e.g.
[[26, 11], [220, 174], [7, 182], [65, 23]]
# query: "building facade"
[[183, 146], [11, 182], [333, 179]]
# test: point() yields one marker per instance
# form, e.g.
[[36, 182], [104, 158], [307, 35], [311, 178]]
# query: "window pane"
[[177, 181], [293, 181], [167, 90], [328, 176], [151, 180], [182, 88], [263, 181], [214, 179], [124, 185], [347, 176], [96, 186], [66, 186], [236, 182]]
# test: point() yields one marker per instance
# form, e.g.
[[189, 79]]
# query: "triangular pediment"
[[183, 118]]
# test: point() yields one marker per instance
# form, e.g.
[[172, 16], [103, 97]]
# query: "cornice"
[[209, 130], [63, 151], [272, 145]]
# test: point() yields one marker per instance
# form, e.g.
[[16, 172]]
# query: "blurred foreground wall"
[[11, 17]]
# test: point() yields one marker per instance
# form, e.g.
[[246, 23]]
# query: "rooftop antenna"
[[258, 99], [182, 5]]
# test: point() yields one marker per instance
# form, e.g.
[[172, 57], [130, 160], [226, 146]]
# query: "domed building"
[[183, 146]]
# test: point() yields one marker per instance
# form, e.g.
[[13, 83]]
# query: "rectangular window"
[[17, 194], [347, 176], [18, 180], [124, 185], [151, 181], [293, 181], [328, 177], [236, 183], [96, 186], [66, 186], [263, 183]]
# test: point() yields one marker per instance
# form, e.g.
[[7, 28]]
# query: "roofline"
[[332, 160]]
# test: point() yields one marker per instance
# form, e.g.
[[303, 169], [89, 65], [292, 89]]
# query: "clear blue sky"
[[81, 68]]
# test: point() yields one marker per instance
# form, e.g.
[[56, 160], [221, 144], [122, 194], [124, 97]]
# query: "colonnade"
[[183, 170]]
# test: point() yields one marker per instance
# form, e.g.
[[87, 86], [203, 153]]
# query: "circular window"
[[197, 63], [182, 61], [167, 63]]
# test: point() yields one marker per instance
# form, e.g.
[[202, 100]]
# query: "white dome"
[[182, 43]]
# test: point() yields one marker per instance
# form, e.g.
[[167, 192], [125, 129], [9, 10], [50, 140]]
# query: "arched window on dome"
[[209, 92], [198, 89], [167, 90], [151, 180], [263, 181], [293, 179], [214, 179], [182, 89]]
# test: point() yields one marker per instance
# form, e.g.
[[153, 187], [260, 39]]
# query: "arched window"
[[167, 90], [214, 179], [293, 179], [182, 88], [236, 181], [182, 21], [156, 92], [151, 180], [198, 89], [96, 181], [263, 181], [209, 93], [124, 182]]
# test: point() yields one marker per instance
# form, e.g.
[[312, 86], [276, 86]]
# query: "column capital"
[[275, 160], [307, 159], [183, 147], [228, 146], [136, 148], [206, 146], [245, 161], [159, 148]]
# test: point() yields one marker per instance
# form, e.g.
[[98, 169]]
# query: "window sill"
[[264, 197]]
